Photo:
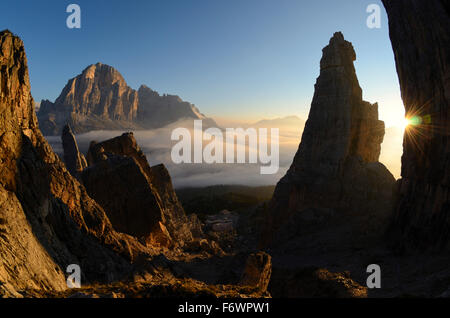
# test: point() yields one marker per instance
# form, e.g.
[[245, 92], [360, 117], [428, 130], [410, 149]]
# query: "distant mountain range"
[[288, 121], [100, 99]]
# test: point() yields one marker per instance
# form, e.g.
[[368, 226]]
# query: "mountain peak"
[[338, 52], [100, 99], [6, 32], [103, 72]]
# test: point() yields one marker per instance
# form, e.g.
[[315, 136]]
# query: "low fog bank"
[[157, 146]]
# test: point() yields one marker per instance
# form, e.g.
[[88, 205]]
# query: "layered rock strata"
[[100, 99]]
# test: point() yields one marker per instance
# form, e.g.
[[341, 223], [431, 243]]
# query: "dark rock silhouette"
[[314, 282], [420, 36], [149, 209], [100, 99], [335, 171], [120, 186], [73, 158], [124, 145], [257, 271]]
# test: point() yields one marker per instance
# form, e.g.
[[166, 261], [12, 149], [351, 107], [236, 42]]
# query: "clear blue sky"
[[238, 58]]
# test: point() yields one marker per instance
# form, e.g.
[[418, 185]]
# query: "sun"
[[405, 122]]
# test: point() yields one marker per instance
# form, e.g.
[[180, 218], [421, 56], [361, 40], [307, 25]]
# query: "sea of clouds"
[[157, 146]]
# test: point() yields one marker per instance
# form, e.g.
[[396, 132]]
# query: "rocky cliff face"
[[47, 220], [335, 171], [420, 36], [99, 98]]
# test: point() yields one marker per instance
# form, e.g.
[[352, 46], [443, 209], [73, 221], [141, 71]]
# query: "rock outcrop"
[[420, 36], [100, 99], [257, 271], [335, 171], [73, 158], [315, 283], [149, 209], [134, 209], [47, 220]]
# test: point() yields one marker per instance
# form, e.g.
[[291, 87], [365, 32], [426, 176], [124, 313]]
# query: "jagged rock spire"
[[74, 159], [336, 167], [340, 123]]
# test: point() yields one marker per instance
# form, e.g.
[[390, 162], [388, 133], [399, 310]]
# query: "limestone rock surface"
[[100, 99]]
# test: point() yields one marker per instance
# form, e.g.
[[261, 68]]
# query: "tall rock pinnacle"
[[74, 159], [336, 166], [340, 123]]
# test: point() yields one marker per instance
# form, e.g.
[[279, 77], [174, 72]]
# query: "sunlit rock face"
[[47, 220], [100, 99], [336, 167], [420, 36]]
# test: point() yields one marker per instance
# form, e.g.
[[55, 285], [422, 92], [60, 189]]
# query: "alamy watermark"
[[374, 19], [73, 21], [74, 279], [222, 148], [374, 279]]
